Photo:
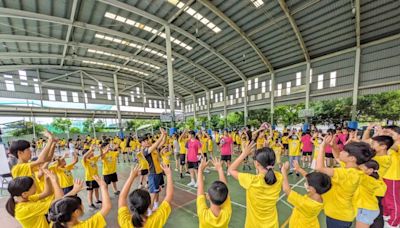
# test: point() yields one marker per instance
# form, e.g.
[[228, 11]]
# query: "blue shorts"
[[366, 216], [155, 181], [67, 189]]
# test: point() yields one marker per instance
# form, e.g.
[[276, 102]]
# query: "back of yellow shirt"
[[208, 219], [305, 212], [155, 220], [294, 147], [182, 146], [64, 175], [24, 170], [367, 192], [393, 172], [110, 162], [261, 200], [142, 161], [165, 157], [338, 201], [97, 220], [210, 145], [260, 143], [32, 214], [204, 141], [90, 166]]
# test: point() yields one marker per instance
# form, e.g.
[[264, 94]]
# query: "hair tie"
[[375, 171], [270, 167]]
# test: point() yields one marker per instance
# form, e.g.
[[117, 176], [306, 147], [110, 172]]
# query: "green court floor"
[[184, 203]]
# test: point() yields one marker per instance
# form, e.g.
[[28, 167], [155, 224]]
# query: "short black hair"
[[143, 138], [360, 150], [384, 140], [19, 145], [218, 192], [192, 133], [320, 181]]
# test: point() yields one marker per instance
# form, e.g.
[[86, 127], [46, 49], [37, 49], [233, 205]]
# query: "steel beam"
[[70, 28]]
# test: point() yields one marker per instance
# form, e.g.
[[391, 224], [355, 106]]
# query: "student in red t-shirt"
[[193, 150], [307, 148], [226, 146]]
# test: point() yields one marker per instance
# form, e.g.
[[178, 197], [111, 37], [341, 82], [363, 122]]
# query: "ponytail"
[[16, 187], [266, 158], [10, 206], [139, 201], [61, 210], [372, 164], [270, 177]]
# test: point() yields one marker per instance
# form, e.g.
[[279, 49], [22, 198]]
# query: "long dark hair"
[[139, 201], [16, 187], [266, 158], [61, 210], [372, 164]]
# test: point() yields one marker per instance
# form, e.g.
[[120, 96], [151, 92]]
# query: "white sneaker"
[[228, 174], [191, 184], [386, 218], [195, 185], [206, 171], [176, 170]]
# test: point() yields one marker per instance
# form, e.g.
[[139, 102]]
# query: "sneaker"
[[117, 193], [93, 207], [191, 184], [195, 185], [297, 174], [187, 174], [99, 202], [386, 218], [228, 174], [176, 170], [206, 171], [290, 173], [181, 175]]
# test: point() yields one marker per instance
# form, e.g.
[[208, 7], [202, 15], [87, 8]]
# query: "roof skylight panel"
[[257, 3], [114, 66], [138, 46], [196, 15], [141, 26], [122, 57]]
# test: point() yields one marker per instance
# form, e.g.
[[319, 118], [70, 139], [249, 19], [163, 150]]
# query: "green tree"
[[61, 125], [74, 130], [288, 114], [235, 119], [21, 128]]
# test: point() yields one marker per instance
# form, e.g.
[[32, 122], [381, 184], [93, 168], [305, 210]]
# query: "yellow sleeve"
[[69, 166], [124, 217], [23, 169], [97, 220], [34, 198], [338, 175], [201, 207], [227, 205], [163, 212], [245, 180], [296, 200]]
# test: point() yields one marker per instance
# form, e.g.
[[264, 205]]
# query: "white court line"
[[295, 185]]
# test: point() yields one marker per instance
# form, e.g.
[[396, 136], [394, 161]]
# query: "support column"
[[208, 108], [143, 98], [355, 84], [40, 88], [272, 96], [308, 69], [117, 101], [83, 88], [245, 103], [170, 73], [225, 109], [33, 126], [194, 109]]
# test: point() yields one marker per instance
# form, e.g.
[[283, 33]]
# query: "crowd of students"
[[351, 177]]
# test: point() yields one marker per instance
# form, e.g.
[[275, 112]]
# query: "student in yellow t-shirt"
[[182, 140], [165, 154], [338, 202], [210, 147], [217, 137], [317, 140], [261, 140], [294, 151], [220, 211], [124, 150], [27, 207], [144, 169], [244, 141], [140, 202], [67, 211], [89, 162], [21, 149], [306, 207], [203, 137], [63, 172], [285, 142], [366, 197], [109, 159], [277, 147], [262, 190]]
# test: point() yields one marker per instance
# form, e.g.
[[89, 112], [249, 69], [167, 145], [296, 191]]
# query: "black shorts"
[[328, 155], [307, 153], [144, 172], [226, 157], [67, 189], [182, 159], [92, 185], [205, 156], [110, 178], [286, 146], [84, 151], [193, 165]]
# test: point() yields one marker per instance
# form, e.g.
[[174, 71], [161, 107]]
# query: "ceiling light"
[[110, 15]]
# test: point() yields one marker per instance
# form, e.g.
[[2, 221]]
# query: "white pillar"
[[272, 96], [194, 108], [143, 98], [308, 69], [225, 109], [170, 73], [208, 108], [83, 89], [40, 88], [355, 84], [117, 101]]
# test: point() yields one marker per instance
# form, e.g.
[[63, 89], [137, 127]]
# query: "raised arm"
[[159, 141], [320, 166], [247, 150], [105, 196], [285, 185], [366, 135], [78, 186], [298, 169], [200, 181], [218, 166], [58, 192], [170, 183], [86, 155], [128, 184], [48, 189], [44, 153]]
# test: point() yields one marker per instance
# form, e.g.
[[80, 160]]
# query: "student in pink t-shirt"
[[193, 149], [307, 148], [330, 161], [226, 145]]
